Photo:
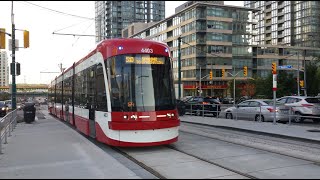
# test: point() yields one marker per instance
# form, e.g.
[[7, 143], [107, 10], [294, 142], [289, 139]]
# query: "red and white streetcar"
[[121, 93]]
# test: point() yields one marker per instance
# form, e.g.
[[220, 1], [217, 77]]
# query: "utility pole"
[[179, 67], [304, 73], [234, 85], [298, 76], [13, 65], [200, 89]]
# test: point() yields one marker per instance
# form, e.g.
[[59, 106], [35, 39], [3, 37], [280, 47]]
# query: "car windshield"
[[2, 103], [211, 100], [270, 102]]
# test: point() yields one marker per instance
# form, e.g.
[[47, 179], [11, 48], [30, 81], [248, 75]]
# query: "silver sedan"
[[258, 110]]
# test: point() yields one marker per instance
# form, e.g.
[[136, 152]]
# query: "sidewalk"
[[278, 129], [49, 149]]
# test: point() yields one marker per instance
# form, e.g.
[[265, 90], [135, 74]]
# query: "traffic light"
[[245, 71], [2, 38], [25, 39], [274, 68], [223, 71], [210, 74], [18, 69], [301, 83]]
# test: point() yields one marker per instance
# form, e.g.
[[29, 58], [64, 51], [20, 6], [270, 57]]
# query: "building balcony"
[[280, 13], [268, 16], [268, 23], [268, 9], [268, 3], [281, 5], [268, 38], [267, 31], [280, 20], [280, 28]]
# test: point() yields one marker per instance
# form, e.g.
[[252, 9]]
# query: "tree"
[[286, 85], [313, 77]]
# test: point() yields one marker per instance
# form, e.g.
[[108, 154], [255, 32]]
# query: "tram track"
[[139, 163], [142, 157], [289, 147], [160, 176], [213, 163]]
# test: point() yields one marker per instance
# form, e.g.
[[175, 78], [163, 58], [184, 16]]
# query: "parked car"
[[227, 100], [302, 107], [186, 98], [3, 108], [200, 105], [9, 104], [181, 106], [257, 110], [243, 98]]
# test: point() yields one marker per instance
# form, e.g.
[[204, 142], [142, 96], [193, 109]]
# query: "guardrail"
[[7, 124], [285, 113]]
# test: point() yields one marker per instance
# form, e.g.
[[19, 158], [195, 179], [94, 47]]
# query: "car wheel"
[[298, 118], [198, 112], [229, 116], [214, 114], [259, 118]]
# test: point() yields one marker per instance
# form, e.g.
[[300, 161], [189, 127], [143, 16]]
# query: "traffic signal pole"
[[274, 89], [13, 71], [298, 76], [179, 67]]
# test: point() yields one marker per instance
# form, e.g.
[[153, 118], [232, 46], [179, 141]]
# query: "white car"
[[9, 105], [302, 107], [257, 110]]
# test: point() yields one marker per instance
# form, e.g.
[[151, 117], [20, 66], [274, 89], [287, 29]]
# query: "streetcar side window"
[[101, 99]]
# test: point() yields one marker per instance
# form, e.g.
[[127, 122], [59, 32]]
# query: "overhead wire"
[[77, 40], [67, 14], [58, 11]]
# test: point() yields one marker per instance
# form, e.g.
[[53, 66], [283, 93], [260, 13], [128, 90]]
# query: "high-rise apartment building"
[[215, 38], [4, 69], [113, 16], [189, 3], [288, 23]]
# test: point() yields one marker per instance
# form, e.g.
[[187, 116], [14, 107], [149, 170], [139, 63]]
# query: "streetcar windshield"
[[141, 82]]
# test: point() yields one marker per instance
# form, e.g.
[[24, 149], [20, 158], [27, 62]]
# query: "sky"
[[40, 62]]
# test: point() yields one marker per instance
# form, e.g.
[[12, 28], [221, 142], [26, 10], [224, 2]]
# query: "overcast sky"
[[48, 50]]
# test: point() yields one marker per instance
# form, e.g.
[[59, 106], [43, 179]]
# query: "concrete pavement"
[[278, 129], [49, 149]]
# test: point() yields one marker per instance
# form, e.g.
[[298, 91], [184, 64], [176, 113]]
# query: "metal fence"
[[7, 124], [259, 113]]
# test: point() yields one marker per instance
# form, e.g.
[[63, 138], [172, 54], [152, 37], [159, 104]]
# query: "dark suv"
[[181, 106], [200, 105], [3, 108]]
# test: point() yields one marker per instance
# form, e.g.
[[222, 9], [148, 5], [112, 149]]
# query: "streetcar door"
[[92, 101]]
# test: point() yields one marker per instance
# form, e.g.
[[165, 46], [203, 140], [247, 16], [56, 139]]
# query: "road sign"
[[285, 67]]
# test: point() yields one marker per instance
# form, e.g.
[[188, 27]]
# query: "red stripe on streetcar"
[[143, 125]]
